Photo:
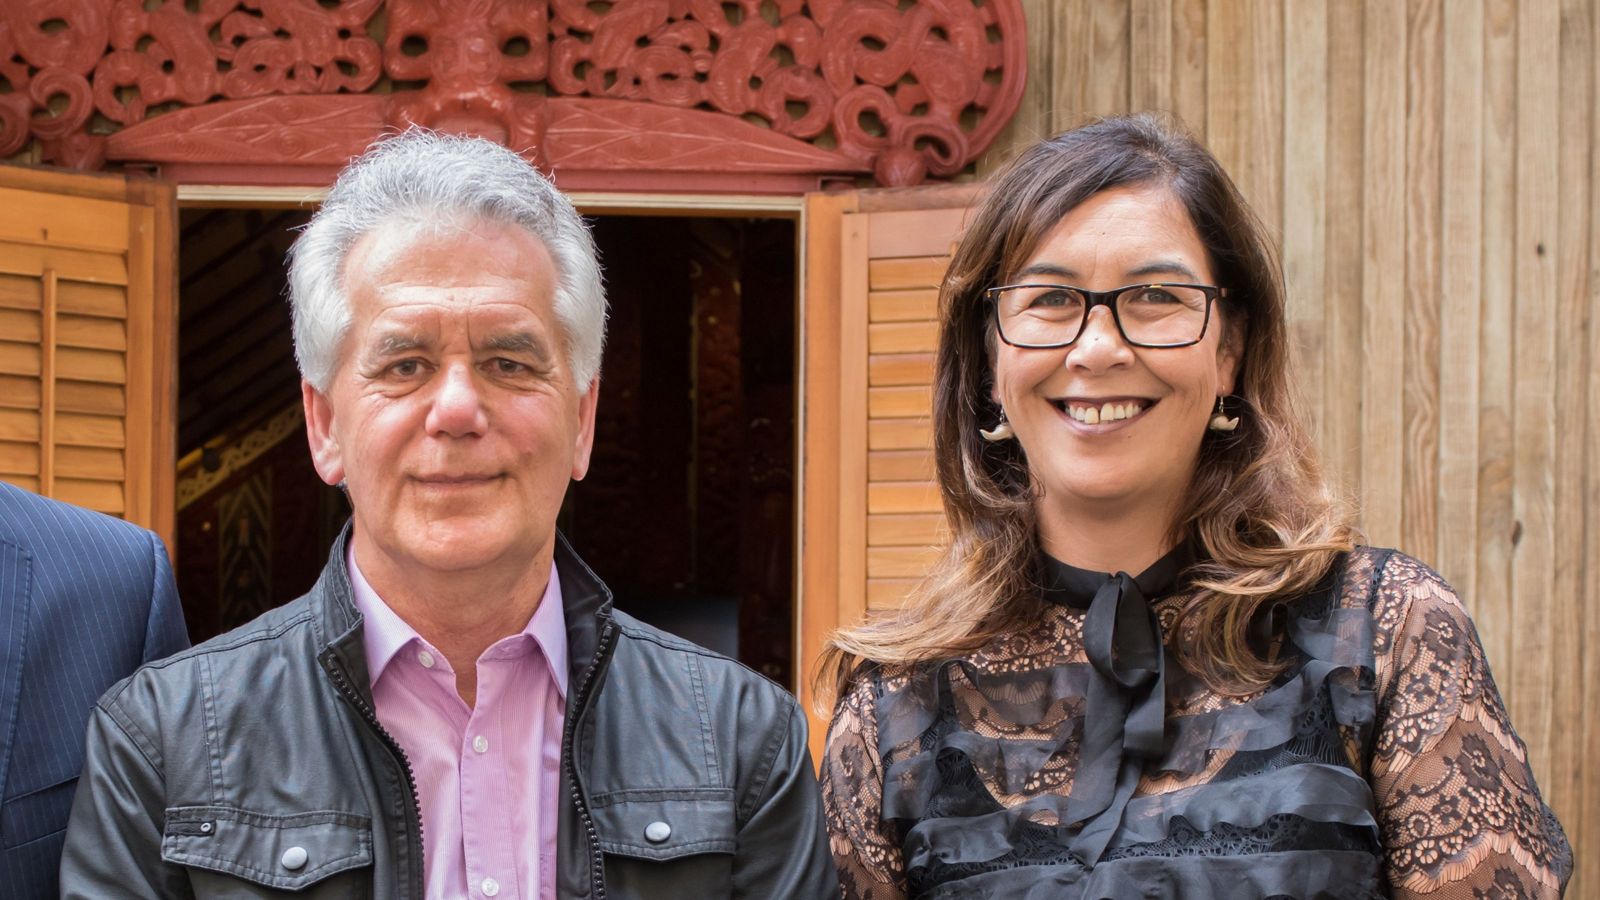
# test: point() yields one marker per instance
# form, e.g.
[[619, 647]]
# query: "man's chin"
[[459, 543]]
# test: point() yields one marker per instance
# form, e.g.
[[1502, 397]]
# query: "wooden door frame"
[[831, 533]]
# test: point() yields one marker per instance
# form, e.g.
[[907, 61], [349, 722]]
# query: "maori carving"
[[902, 90], [121, 58]]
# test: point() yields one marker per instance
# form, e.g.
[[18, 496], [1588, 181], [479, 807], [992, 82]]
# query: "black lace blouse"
[[1079, 760]]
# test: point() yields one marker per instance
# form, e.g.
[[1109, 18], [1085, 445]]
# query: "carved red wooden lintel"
[[688, 94]]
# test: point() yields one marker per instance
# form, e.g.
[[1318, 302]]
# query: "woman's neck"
[[1119, 538]]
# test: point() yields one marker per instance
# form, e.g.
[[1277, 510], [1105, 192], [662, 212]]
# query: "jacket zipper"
[[342, 683], [597, 862]]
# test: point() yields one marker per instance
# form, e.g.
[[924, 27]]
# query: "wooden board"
[[86, 324], [872, 525]]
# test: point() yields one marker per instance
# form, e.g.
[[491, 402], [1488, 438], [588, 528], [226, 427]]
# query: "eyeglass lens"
[[1046, 315]]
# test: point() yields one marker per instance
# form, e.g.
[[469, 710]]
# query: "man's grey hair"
[[422, 179]]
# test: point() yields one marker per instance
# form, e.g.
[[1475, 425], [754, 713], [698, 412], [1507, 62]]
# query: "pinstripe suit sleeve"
[[89, 599], [165, 633]]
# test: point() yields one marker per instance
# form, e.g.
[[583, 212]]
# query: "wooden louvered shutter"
[[86, 341], [871, 516]]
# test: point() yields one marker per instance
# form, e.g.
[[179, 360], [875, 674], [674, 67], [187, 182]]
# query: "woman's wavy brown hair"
[[1257, 505]]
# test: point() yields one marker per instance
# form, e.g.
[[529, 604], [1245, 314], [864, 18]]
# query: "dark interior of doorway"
[[688, 509]]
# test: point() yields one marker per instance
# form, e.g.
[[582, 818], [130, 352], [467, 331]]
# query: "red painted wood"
[[767, 89]]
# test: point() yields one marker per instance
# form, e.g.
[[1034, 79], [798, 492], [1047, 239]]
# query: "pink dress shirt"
[[487, 777]]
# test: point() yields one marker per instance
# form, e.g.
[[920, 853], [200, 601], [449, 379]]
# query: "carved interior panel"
[[224, 88]]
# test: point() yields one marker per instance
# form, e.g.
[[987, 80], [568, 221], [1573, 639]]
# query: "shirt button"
[[490, 887], [480, 744], [426, 659], [294, 858], [656, 832]]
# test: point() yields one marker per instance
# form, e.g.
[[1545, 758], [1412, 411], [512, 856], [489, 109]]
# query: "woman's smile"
[[1100, 416]]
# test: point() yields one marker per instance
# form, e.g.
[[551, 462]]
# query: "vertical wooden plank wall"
[[1431, 170]]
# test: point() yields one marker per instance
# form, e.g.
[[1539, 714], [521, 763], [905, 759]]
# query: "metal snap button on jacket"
[[656, 832], [294, 858]]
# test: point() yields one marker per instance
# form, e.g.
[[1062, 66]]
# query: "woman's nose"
[[1100, 344]]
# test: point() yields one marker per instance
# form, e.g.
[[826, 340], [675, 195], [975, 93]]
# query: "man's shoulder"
[[234, 658], [37, 523], [722, 675]]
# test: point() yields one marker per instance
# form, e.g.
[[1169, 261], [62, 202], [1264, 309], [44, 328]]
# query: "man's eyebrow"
[[396, 342], [517, 342]]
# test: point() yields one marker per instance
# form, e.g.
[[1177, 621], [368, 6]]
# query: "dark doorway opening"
[[688, 509]]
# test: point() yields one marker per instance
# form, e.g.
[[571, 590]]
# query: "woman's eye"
[[1054, 298], [1155, 295]]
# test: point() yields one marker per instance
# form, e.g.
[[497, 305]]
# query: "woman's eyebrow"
[[1144, 270], [1163, 267], [1043, 268]]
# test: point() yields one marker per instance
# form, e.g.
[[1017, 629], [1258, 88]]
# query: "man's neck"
[[461, 614]]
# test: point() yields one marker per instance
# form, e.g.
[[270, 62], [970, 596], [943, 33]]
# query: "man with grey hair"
[[455, 709]]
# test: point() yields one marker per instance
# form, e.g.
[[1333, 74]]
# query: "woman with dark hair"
[[1154, 660]]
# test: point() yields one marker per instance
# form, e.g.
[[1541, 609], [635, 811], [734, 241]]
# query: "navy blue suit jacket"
[[84, 600]]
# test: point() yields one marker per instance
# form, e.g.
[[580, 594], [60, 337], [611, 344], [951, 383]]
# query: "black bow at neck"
[[1124, 723]]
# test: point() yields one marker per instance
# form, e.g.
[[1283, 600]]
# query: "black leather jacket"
[[204, 769]]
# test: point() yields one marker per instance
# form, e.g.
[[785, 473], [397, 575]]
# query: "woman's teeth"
[[1107, 412]]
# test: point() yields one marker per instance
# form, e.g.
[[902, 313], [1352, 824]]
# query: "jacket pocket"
[[238, 853], [666, 844], [35, 815]]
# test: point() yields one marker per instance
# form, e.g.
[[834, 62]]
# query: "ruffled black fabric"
[[1285, 814]]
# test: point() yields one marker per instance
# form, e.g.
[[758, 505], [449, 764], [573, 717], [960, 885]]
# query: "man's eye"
[[508, 366], [406, 368]]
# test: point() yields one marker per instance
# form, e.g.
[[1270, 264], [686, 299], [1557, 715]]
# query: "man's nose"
[[458, 406]]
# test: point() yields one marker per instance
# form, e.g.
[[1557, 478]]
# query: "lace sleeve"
[[864, 849], [1460, 813]]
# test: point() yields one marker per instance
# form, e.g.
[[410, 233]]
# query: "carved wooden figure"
[[688, 94]]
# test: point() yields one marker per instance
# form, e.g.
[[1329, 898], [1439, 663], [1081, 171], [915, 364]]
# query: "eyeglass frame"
[[1107, 299]]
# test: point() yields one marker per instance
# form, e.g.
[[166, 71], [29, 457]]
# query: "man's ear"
[[326, 454], [583, 443]]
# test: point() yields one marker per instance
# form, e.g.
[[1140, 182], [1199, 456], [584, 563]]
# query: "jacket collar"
[[585, 602]]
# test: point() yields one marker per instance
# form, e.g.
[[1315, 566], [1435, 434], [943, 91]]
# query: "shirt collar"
[[384, 634], [1071, 586]]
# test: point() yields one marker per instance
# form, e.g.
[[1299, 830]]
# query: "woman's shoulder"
[[1391, 583], [1414, 609]]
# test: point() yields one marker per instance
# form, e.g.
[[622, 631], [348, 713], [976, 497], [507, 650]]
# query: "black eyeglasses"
[[1049, 316]]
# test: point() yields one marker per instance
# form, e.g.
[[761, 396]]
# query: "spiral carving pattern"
[[903, 90]]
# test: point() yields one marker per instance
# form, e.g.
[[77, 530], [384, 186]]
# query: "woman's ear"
[[1230, 355]]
